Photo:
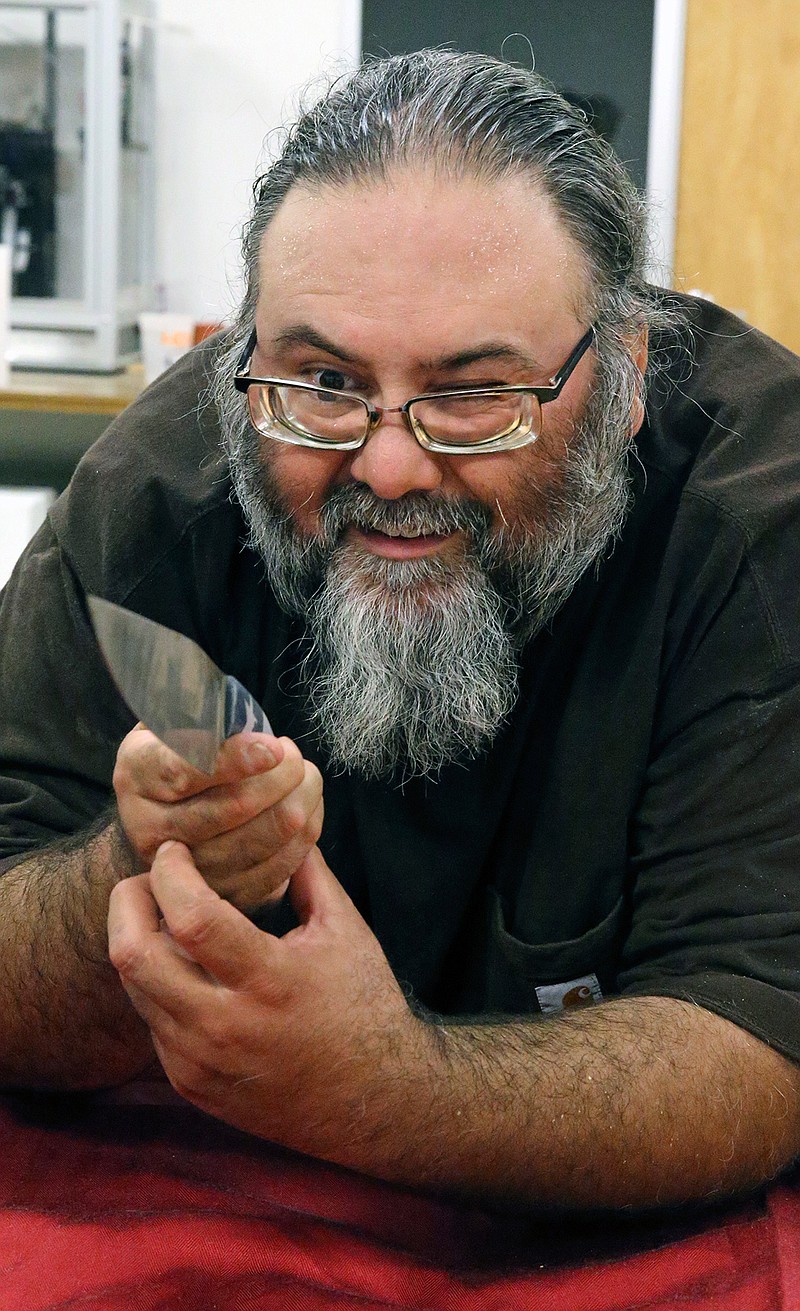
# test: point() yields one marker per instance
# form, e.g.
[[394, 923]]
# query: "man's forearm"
[[637, 1103], [65, 1022], [308, 1040]]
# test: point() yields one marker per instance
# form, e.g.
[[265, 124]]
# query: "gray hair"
[[374, 686], [469, 115]]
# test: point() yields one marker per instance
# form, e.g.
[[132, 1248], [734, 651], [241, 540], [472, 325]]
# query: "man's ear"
[[638, 353]]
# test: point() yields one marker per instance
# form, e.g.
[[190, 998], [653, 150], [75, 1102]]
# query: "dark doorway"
[[597, 51]]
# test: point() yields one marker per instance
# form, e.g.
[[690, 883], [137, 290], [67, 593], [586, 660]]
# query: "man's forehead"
[[416, 233]]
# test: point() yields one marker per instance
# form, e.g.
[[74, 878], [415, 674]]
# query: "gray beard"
[[414, 663]]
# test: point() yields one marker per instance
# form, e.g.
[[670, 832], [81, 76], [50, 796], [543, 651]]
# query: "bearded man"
[[525, 630]]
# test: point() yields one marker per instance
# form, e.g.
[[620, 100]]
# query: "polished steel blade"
[[170, 684]]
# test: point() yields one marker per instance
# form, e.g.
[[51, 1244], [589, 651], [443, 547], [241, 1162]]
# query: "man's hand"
[[287, 1038], [249, 825], [309, 1040]]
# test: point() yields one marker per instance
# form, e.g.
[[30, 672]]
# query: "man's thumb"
[[315, 890]]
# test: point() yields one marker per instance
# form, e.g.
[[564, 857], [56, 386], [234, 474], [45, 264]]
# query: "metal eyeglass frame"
[[519, 436]]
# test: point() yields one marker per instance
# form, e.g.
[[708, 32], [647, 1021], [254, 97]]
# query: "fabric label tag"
[[555, 997]]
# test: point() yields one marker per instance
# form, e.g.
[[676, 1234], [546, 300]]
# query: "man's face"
[[414, 285], [420, 576]]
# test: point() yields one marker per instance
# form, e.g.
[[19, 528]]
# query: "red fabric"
[[139, 1208]]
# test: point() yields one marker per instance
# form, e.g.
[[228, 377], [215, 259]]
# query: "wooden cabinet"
[[48, 420]]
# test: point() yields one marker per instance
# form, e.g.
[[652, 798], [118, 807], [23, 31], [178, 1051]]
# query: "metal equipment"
[[76, 177]]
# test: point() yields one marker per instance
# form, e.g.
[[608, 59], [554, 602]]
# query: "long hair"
[[469, 115]]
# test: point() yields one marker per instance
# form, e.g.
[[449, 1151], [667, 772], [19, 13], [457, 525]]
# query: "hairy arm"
[[64, 1020], [309, 1040], [636, 1103]]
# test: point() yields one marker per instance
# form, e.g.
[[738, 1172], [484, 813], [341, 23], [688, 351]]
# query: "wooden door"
[[738, 228]]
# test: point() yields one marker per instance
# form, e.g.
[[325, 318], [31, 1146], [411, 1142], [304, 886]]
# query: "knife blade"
[[172, 686]]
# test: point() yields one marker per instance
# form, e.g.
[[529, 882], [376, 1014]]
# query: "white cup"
[[164, 338], [5, 313]]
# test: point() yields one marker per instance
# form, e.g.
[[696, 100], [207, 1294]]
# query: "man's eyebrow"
[[489, 350], [302, 334]]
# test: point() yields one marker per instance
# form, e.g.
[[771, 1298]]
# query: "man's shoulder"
[[719, 501], [723, 412], [157, 476], [723, 415]]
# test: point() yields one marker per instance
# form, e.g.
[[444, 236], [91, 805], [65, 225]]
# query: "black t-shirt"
[[634, 829]]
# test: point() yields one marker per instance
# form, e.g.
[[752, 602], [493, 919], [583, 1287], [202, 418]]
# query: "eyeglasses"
[[469, 421]]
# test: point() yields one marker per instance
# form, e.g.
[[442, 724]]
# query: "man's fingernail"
[[166, 846], [260, 756]]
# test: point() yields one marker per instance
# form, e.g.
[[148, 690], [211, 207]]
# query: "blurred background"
[[131, 132]]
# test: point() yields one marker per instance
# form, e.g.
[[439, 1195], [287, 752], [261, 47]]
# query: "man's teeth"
[[401, 532]]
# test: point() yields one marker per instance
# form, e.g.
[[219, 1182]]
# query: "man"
[[533, 647]]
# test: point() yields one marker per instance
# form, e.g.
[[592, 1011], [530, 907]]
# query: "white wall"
[[229, 73]]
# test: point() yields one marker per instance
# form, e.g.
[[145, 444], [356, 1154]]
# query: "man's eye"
[[332, 380]]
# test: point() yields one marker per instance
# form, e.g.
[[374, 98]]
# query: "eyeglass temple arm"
[[580, 350], [247, 353]]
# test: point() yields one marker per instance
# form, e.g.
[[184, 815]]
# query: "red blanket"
[[145, 1207]]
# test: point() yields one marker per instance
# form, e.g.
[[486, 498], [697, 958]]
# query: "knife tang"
[[242, 711]]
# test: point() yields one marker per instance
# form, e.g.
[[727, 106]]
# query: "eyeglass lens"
[[325, 414], [455, 420], [459, 420]]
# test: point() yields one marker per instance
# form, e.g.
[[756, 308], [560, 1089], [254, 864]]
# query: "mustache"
[[357, 506]]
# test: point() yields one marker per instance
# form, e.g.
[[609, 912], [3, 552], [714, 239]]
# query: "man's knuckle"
[[312, 828], [236, 810], [313, 778], [171, 774], [186, 1076], [216, 1041], [145, 766], [146, 839], [290, 820], [130, 957], [226, 875], [193, 927], [120, 779], [294, 765], [291, 750], [145, 832], [123, 955], [182, 1082]]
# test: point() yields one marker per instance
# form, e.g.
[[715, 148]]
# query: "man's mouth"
[[399, 532], [403, 543]]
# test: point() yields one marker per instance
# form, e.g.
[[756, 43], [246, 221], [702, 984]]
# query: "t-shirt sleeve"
[[61, 719], [130, 527], [715, 840]]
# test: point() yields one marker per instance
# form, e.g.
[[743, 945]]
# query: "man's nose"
[[392, 462]]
